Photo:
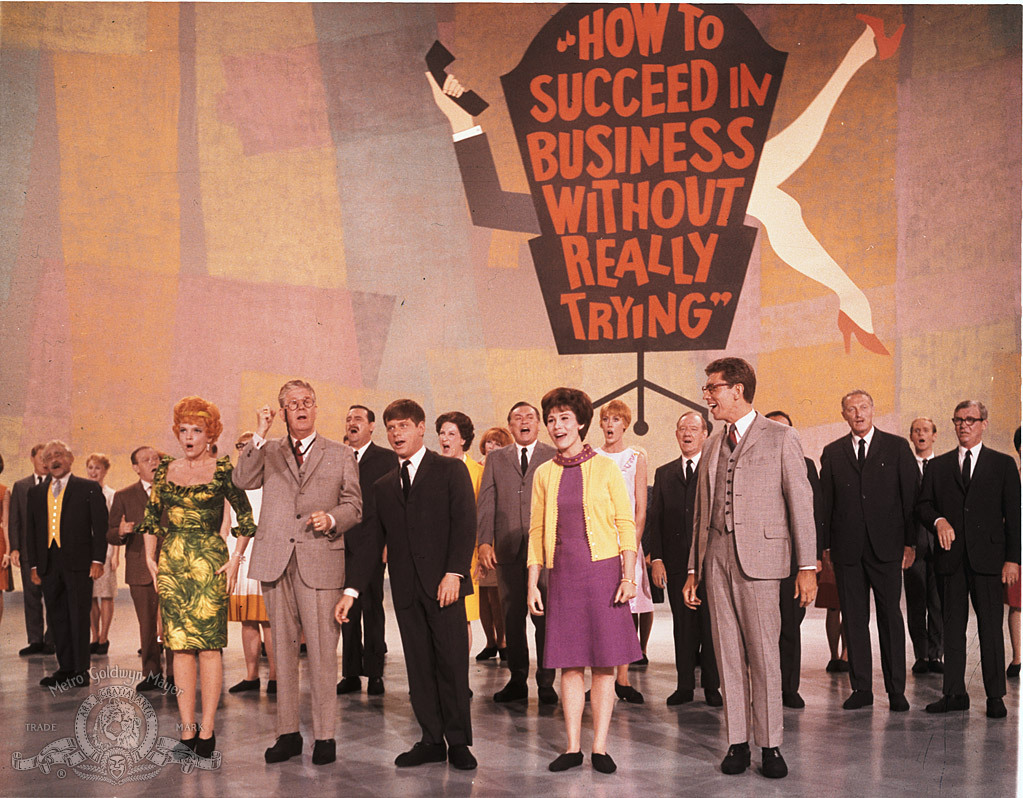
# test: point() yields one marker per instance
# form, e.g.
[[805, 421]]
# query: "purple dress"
[[585, 628]]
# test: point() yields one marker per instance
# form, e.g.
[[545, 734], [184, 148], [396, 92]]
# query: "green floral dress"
[[193, 596]]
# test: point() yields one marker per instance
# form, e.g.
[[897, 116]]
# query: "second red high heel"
[[869, 341], [886, 45]]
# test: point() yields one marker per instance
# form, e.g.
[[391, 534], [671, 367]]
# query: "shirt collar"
[[529, 449], [973, 457], [362, 450], [304, 444], [868, 438], [695, 458], [416, 459], [146, 486], [743, 423]]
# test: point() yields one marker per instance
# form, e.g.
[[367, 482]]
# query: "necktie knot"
[[55, 487], [689, 470], [733, 436]]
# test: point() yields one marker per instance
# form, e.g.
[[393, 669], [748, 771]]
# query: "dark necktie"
[[966, 470], [861, 455], [733, 437], [689, 470], [356, 455], [406, 480], [525, 461], [923, 468], [298, 452]]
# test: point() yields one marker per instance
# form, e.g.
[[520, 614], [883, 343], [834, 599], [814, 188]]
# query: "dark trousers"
[[923, 609], [986, 593], [511, 586], [147, 604], [855, 582], [692, 632], [436, 646], [790, 643], [34, 627], [68, 597], [362, 638]]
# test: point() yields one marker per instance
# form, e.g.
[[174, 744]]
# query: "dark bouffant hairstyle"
[[464, 424], [404, 408], [571, 399]]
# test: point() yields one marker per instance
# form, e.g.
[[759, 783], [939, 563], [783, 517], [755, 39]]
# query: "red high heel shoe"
[[886, 45], [869, 341]]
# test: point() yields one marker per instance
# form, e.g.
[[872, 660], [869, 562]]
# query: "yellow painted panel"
[[525, 375], [255, 27], [504, 249], [110, 28], [15, 466]]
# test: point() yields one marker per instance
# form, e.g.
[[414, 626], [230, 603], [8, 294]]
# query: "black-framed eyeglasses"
[[713, 386], [239, 446], [295, 404], [968, 421]]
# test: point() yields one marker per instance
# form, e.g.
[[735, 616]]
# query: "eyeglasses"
[[239, 446], [306, 403], [968, 421], [713, 386]]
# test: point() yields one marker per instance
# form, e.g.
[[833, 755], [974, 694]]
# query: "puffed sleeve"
[[537, 510], [154, 507], [238, 500]]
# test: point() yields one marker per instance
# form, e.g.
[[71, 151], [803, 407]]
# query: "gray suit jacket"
[[19, 515], [773, 510], [502, 507], [328, 481]]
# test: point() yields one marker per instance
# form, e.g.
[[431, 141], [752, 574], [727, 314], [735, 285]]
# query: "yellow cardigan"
[[607, 511]]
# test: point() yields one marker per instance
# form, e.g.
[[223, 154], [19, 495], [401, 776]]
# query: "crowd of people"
[[740, 531]]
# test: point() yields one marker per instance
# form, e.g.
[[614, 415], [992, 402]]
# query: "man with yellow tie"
[[66, 536]]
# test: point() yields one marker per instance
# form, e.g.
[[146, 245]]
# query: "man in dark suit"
[[670, 517], [970, 497], [362, 638], [127, 510], [502, 531], [869, 483], [790, 643], [426, 516], [66, 534], [923, 591], [38, 641]]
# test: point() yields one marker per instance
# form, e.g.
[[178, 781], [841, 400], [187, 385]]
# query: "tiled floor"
[[660, 750]]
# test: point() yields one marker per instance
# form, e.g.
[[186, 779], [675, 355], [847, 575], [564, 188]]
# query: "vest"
[[721, 517], [53, 508]]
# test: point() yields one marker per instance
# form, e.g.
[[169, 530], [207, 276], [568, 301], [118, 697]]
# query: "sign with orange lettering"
[[640, 128]]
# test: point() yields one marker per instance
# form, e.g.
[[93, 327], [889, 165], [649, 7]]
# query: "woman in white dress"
[[615, 418], [104, 589]]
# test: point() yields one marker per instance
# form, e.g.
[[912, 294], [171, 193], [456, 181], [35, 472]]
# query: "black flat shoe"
[[324, 752], [185, 747], [949, 703], [679, 697], [375, 686], [93, 647], [603, 763], [461, 758], [628, 693], [792, 700], [513, 691], [736, 760], [1012, 672], [547, 695], [772, 763], [102, 648], [566, 761], [245, 686], [936, 666], [487, 653], [996, 708], [271, 687], [859, 699], [287, 746], [205, 748], [421, 754], [349, 684], [920, 666], [713, 698]]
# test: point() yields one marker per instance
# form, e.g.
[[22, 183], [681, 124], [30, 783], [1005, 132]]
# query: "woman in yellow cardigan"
[[582, 530]]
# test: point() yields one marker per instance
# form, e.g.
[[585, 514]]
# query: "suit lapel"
[[680, 471], [711, 450], [756, 429], [874, 453], [289, 456], [312, 458], [847, 449]]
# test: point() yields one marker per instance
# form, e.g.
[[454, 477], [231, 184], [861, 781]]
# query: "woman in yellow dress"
[[195, 575]]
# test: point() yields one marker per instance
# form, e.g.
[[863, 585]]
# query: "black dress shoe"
[[349, 684], [713, 697], [93, 647], [324, 752], [679, 697], [792, 700], [832, 666], [642, 662], [502, 654], [936, 666], [271, 687], [996, 708], [513, 691], [1012, 672], [842, 666], [186, 746], [148, 684], [30, 649], [461, 757], [547, 695], [949, 703], [287, 746], [49, 648], [859, 699], [205, 747], [421, 754], [628, 693], [55, 678], [603, 763], [772, 764], [245, 686], [102, 648], [898, 703], [375, 686], [736, 760], [566, 762], [921, 666], [487, 653]]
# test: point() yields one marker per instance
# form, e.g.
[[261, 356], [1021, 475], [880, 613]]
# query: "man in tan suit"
[[311, 497], [754, 511], [127, 510]]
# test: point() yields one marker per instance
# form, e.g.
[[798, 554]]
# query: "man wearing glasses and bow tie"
[[970, 499], [311, 497]]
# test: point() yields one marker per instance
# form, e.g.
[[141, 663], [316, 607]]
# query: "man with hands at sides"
[[311, 497]]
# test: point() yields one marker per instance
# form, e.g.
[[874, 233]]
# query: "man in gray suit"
[[311, 497], [754, 515], [38, 643], [502, 515]]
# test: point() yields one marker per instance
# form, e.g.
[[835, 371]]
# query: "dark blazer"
[[83, 527], [374, 463], [430, 534], [875, 505], [986, 518], [19, 515], [818, 504], [503, 505], [670, 515], [130, 505]]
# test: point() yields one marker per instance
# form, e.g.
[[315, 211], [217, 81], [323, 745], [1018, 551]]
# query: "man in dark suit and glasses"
[[362, 638], [670, 516], [868, 478], [426, 516], [67, 546], [970, 498]]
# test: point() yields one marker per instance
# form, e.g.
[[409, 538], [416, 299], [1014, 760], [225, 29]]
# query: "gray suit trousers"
[[293, 606], [746, 623]]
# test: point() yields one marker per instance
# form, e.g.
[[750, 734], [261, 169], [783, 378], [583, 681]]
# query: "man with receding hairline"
[[38, 641]]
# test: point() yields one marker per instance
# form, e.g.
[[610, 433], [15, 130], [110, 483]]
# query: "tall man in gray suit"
[[38, 642], [754, 515], [502, 529], [311, 497]]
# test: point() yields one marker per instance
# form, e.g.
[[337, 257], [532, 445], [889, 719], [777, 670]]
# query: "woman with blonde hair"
[[104, 589]]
